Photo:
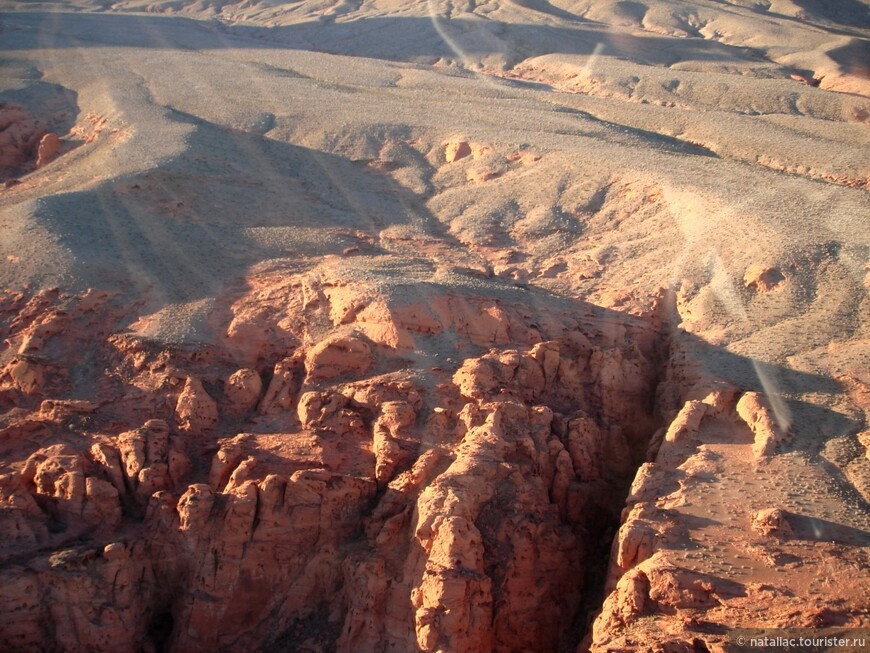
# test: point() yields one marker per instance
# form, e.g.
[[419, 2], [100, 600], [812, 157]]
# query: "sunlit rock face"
[[396, 327], [426, 509]]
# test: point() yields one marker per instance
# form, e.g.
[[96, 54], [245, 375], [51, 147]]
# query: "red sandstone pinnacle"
[[194, 508], [102, 507], [49, 144], [279, 395], [195, 409], [623, 606], [395, 416]]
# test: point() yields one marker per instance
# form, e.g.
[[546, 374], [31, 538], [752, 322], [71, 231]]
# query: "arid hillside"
[[386, 326]]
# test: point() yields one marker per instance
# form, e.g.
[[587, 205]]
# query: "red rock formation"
[[49, 144], [242, 391], [20, 134], [25, 143], [692, 536], [771, 521], [763, 278], [336, 357], [366, 507], [455, 150], [768, 428], [196, 410]]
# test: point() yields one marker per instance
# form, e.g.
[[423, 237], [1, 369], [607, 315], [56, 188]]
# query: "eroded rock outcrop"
[[47, 149], [762, 278], [350, 501], [20, 133], [698, 525], [195, 409], [769, 429], [441, 512], [771, 521], [242, 390], [25, 141]]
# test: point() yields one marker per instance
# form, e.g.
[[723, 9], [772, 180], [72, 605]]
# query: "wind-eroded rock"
[[763, 278], [455, 150], [771, 521], [195, 409], [337, 356], [766, 425], [242, 390], [439, 511], [47, 149], [20, 134], [386, 435], [26, 375], [381, 382], [279, 395], [686, 423]]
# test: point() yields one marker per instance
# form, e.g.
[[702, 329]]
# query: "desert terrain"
[[381, 326]]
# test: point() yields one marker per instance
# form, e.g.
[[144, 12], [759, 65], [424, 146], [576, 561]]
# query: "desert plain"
[[383, 326]]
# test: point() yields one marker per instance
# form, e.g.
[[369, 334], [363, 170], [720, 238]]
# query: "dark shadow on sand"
[[805, 527], [232, 200], [851, 13], [406, 39]]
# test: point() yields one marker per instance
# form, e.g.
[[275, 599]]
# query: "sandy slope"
[[411, 184]]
